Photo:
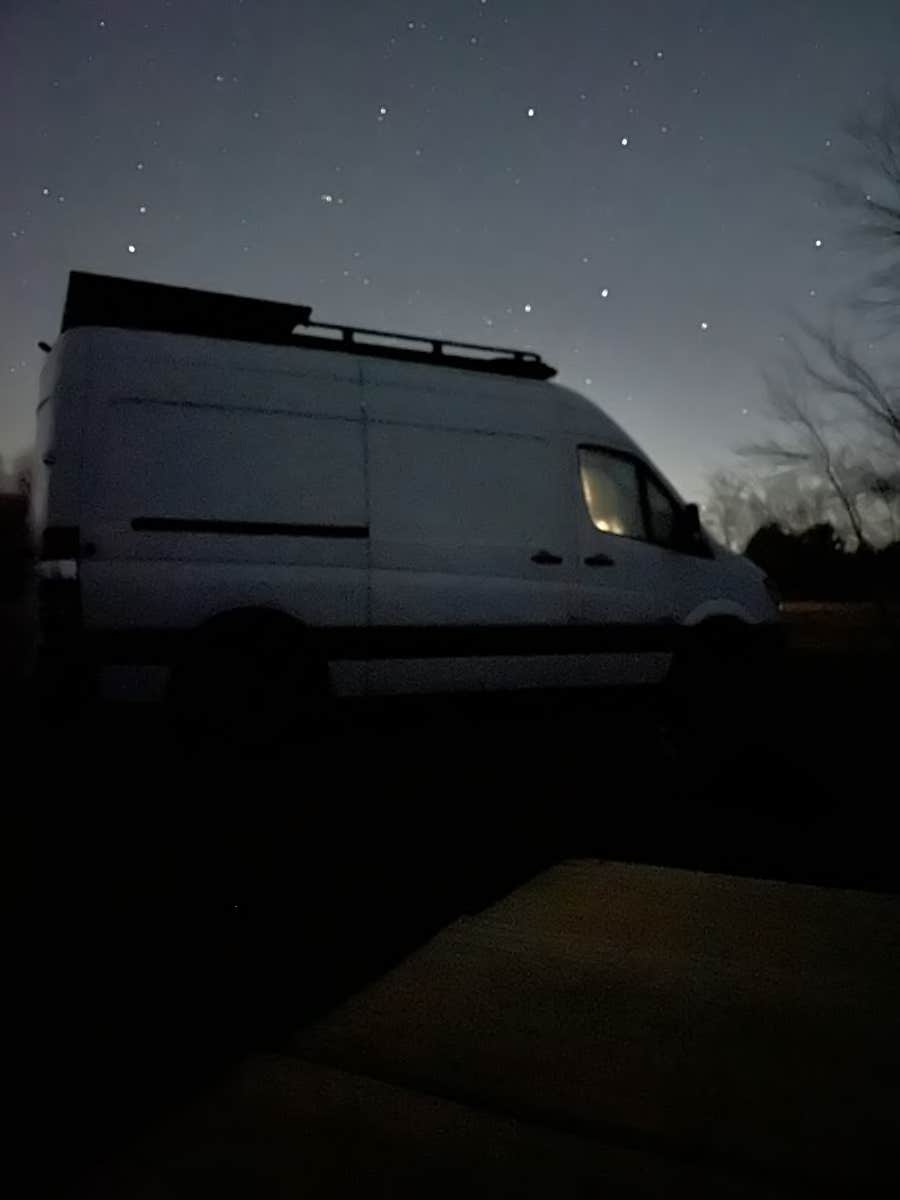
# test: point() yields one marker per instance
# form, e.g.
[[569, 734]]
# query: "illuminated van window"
[[612, 493]]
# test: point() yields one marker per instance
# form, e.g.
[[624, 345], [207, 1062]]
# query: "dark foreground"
[[174, 912]]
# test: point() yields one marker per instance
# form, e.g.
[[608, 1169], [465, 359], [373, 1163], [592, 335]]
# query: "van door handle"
[[599, 560], [545, 559]]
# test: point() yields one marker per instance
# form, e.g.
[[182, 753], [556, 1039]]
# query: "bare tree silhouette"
[[835, 404], [832, 363], [806, 442], [867, 192]]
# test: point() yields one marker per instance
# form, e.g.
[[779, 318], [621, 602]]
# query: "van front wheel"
[[720, 687], [246, 677]]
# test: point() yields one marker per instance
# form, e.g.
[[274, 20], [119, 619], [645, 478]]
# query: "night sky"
[[624, 186]]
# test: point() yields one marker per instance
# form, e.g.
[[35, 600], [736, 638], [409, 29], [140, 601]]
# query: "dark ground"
[[173, 912]]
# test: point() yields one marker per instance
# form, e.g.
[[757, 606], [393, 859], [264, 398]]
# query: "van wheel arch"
[[710, 654]]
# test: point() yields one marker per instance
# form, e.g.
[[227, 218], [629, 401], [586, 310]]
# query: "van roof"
[[107, 300]]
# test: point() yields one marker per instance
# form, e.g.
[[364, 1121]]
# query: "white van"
[[273, 507]]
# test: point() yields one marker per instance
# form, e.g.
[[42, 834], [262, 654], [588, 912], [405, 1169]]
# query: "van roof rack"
[[136, 304]]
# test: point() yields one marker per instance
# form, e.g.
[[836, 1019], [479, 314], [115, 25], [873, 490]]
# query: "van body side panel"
[[457, 519], [465, 493], [221, 486]]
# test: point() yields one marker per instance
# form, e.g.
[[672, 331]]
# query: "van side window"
[[663, 514], [612, 493]]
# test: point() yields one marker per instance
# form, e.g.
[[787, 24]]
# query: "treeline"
[[815, 565]]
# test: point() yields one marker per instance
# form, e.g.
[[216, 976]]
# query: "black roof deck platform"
[[108, 300]]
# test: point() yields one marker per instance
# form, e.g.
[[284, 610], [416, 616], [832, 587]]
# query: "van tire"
[[712, 689], [248, 678]]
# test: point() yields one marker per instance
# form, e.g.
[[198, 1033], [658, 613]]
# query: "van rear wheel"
[[247, 678]]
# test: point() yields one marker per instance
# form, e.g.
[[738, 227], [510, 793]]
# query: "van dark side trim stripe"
[[473, 641], [162, 646], [247, 528]]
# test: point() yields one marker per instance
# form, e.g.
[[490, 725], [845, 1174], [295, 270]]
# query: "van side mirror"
[[689, 532]]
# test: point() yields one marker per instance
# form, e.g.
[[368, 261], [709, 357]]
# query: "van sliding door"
[[472, 557]]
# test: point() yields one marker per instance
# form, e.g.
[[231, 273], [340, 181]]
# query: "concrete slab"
[[286, 1128], [750, 1024], [605, 1029]]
